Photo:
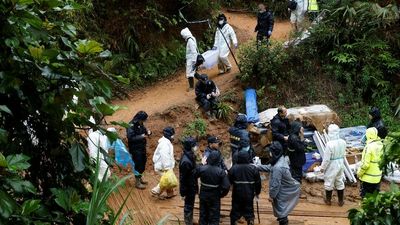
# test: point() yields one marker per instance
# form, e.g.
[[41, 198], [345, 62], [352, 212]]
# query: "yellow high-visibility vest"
[[312, 6]]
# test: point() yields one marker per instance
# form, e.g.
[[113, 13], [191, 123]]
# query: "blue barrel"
[[250, 96]]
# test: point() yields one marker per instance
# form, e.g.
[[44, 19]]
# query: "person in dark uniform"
[[377, 122], [188, 186], [280, 128], [265, 24], [137, 139], [206, 94], [213, 145], [214, 186], [296, 151], [246, 182], [240, 137]]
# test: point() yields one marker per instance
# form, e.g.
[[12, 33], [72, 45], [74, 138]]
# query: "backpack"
[[292, 5]]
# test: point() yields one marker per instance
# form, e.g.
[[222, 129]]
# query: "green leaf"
[[122, 79], [4, 108], [3, 135], [66, 199], [12, 42], [24, 2], [18, 162], [100, 104], [30, 206], [21, 186], [105, 54], [7, 203], [36, 52], [69, 30], [88, 47], [3, 161], [32, 20], [78, 157]]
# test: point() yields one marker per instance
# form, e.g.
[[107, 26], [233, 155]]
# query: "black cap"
[[213, 139]]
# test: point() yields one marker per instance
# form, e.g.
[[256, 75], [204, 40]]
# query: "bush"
[[378, 208], [224, 112], [197, 128]]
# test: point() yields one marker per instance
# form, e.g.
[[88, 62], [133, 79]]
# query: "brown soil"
[[168, 104]]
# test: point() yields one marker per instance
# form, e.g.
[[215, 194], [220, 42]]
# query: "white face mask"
[[172, 137], [220, 22], [195, 148]]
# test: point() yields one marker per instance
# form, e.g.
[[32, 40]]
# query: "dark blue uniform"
[[137, 142], [202, 89], [214, 186], [240, 140], [188, 186]]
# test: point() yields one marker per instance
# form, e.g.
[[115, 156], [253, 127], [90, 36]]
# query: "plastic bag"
[[210, 59], [168, 180]]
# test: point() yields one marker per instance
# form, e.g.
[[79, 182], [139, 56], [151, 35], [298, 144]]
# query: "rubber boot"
[[143, 182], [138, 184], [328, 197], [191, 83], [188, 217], [340, 194], [283, 221]]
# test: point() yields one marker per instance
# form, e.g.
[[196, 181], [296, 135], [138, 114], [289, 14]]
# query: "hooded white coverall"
[[163, 159], [191, 51], [97, 140], [333, 160], [222, 47], [297, 15]]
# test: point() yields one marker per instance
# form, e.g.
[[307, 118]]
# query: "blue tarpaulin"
[[310, 161], [250, 96]]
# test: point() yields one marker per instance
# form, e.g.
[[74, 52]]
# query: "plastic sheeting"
[[251, 106], [353, 136], [310, 160], [210, 59]]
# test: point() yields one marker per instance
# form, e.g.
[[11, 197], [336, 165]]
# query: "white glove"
[[208, 96]]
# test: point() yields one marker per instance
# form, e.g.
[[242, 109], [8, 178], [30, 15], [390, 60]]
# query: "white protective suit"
[[297, 15], [95, 141], [191, 51], [221, 45], [163, 159], [333, 160]]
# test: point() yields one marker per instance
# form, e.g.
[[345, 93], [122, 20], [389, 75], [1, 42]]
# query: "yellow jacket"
[[369, 171], [313, 6]]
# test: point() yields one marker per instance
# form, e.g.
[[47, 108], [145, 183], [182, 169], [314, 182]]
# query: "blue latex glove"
[[269, 33], [214, 48]]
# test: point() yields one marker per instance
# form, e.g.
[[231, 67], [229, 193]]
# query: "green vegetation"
[[379, 209], [46, 62], [224, 112], [357, 65], [197, 129]]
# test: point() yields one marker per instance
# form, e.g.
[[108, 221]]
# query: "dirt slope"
[[170, 92], [168, 103]]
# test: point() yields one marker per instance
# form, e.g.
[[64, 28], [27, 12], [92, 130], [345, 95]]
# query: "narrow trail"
[[172, 91], [158, 98]]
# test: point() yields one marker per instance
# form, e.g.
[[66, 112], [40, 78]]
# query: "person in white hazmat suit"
[[98, 145], [191, 56], [333, 165], [164, 160], [297, 15], [222, 44]]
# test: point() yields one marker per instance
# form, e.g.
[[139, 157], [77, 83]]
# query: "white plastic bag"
[[210, 59]]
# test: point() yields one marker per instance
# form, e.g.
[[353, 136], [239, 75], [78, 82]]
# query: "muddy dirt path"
[[172, 91]]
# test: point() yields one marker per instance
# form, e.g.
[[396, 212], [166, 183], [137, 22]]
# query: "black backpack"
[[292, 5]]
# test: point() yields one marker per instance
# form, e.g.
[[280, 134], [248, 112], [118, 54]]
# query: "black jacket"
[[296, 147], [265, 23], [245, 178], [239, 137], [203, 89], [214, 181], [187, 181], [221, 163], [280, 129], [136, 140], [378, 123]]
